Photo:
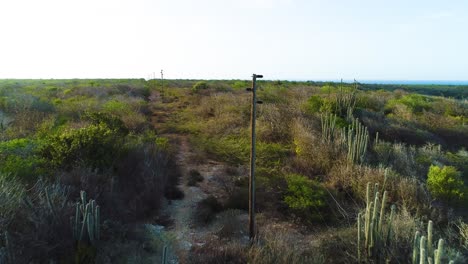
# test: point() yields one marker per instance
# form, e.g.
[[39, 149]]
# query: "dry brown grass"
[[313, 156]]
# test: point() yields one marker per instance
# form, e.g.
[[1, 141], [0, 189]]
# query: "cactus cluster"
[[356, 139], [86, 222], [376, 229], [346, 101], [423, 251], [328, 122]]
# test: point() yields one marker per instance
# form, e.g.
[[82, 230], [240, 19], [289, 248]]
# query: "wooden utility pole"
[[162, 80], [252, 227]]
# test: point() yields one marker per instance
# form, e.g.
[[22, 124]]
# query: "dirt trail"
[[186, 233], [181, 210]]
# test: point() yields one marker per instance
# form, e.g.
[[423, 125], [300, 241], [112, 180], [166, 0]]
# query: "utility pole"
[[252, 227], [162, 80]]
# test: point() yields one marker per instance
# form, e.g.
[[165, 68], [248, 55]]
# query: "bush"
[[238, 199], [18, 157], [207, 209], [304, 195], [445, 183], [194, 178], [416, 103], [200, 86], [314, 104], [95, 146], [12, 194]]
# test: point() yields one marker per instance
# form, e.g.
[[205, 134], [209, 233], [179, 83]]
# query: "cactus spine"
[[87, 219]]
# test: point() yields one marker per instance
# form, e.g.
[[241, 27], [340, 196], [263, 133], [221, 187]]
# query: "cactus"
[[440, 252], [164, 255], [425, 247], [87, 220], [377, 231], [328, 127], [354, 139], [417, 236], [430, 226], [357, 138], [359, 237], [346, 101]]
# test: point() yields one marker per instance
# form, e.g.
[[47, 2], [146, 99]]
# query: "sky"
[[231, 39]]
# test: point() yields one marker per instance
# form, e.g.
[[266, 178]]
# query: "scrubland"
[[345, 174]]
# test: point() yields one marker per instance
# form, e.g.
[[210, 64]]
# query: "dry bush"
[[42, 231], [352, 180], [12, 193], [135, 122], [280, 246], [412, 194], [25, 123], [142, 180], [222, 113], [206, 210], [313, 155], [212, 252], [274, 122], [231, 225], [399, 157], [194, 178], [338, 245], [463, 229]]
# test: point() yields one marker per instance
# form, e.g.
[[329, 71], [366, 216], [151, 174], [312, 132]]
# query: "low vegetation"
[[346, 173]]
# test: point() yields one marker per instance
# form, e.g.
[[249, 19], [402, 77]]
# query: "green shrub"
[[200, 86], [111, 121], [19, 157], [445, 183], [304, 195], [415, 102], [271, 154], [95, 146], [314, 104]]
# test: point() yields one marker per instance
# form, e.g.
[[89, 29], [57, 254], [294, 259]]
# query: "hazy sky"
[[229, 39]]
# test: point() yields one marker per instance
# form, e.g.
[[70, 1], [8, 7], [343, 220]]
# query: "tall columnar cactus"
[[377, 230], [346, 101], [423, 251], [328, 122], [164, 255], [87, 220], [356, 137]]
